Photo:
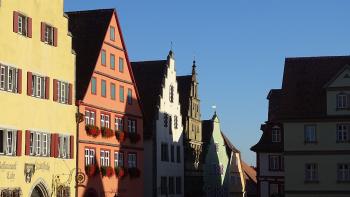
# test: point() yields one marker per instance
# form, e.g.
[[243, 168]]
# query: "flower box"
[[107, 132], [134, 137], [134, 172], [120, 135], [119, 172], [92, 130], [107, 171], [91, 170]]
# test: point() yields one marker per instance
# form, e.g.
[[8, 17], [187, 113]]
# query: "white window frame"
[[131, 126], [274, 162], [44, 144], [89, 156], [310, 136], [276, 134], [311, 172], [39, 86], [63, 146], [343, 133], [132, 160], [38, 144], [2, 77], [105, 120], [49, 34], [105, 158], [343, 171], [22, 25], [119, 124], [87, 117], [8, 78], [342, 101]]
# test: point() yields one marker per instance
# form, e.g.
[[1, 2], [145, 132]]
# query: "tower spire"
[[194, 66]]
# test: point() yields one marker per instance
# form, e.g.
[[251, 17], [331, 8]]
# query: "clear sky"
[[239, 46]]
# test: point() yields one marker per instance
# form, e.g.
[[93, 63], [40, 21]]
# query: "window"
[[118, 159], [171, 185], [31, 143], [178, 154], [44, 144], [276, 134], [131, 126], [10, 142], [131, 160], [170, 125], [119, 124], [171, 94], [38, 85], [104, 156], [342, 133], [343, 172], [121, 94], [105, 121], [63, 92], [274, 189], [112, 61], [163, 185], [164, 152], [166, 119], [49, 35], [103, 88], [275, 162], [63, 191], [129, 96], [10, 192], [103, 57], [8, 78], [93, 85], [89, 156], [89, 117], [121, 65], [112, 91], [310, 134], [178, 185], [22, 25], [175, 122], [63, 146], [172, 153], [311, 172], [342, 101], [39, 143], [112, 33]]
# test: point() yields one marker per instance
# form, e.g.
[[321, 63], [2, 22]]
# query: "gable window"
[[8, 139], [39, 143], [112, 33], [178, 154], [131, 126], [121, 65], [132, 160], [119, 124], [9, 78], [105, 121], [63, 146], [311, 172], [342, 101], [343, 133], [39, 86], [164, 152], [93, 85], [171, 94], [112, 61], [276, 163], [90, 117], [63, 92], [166, 116], [112, 91], [121, 94], [310, 134], [129, 97], [103, 88], [103, 57], [104, 157], [276, 134], [343, 171], [89, 156], [118, 159]]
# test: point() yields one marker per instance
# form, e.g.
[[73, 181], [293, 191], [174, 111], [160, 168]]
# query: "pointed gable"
[[341, 79]]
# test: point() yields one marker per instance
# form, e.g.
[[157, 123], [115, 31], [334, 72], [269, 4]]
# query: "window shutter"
[[47, 87], [52, 145], [27, 143], [70, 94], [19, 143], [55, 90], [19, 81], [55, 36], [42, 35], [29, 27], [29, 84], [71, 150], [56, 145], [15, 21]]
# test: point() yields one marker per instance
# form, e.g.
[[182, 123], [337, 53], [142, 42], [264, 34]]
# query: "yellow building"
[[37, 120]]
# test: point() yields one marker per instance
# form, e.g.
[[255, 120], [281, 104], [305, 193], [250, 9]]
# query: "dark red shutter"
[[29, 84], [15, 21], [27, 143], [55, 90], [47, 87], [42, 35], [19, 143], [56, 145], [52, 145], [19, 81], [70, 94], [55, 38], [71, 141], [29, 27]]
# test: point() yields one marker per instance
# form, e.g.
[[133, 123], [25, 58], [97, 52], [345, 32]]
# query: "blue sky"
[[239, 47]]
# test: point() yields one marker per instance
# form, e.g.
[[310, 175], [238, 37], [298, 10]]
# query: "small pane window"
[[342, 101], [310, 134], [276, 134], [49, 35], [171, 94], [118, 159], [121, 65], [22, 25], [121, 94], [103, 57], [112, 91], [103, 88], [311, 172], [131, 126], [112, 33], [38, 84], [166, 117], [178, 185], [342, 133], [343, 172], [171, 185], [132, 160], [119, 124], [112, 61], [93, 85]]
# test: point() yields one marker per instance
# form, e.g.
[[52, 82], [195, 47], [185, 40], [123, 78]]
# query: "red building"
[[110, 145]]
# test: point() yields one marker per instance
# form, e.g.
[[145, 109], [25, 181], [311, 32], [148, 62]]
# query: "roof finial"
[[194, 66], [171, 53]]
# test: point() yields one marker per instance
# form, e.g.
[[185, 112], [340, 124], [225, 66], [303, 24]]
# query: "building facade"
[[191, 121], [37, 126], [163, 142], [110, 132]]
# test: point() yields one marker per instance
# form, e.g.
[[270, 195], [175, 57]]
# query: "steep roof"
[[149, 76], [89, 29], [184, 89], [250, 177], [229, 146]]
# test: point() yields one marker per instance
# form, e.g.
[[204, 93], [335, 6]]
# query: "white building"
[[163, 137]]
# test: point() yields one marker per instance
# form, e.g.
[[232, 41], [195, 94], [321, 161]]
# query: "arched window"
[[276, 134], [342, 101], [171, 94]]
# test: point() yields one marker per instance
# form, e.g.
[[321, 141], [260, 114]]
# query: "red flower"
[[120, 136], [90, 170], [109, 171]]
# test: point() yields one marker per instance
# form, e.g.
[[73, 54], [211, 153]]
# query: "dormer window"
[[276, 134], [342, 101]]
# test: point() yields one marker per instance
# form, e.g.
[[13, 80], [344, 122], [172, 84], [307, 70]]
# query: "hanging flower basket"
[[92, 130], [134, 137], [120, 135], [134, 172], [106, 132], [91, 170], [107, 171], [119, 172]]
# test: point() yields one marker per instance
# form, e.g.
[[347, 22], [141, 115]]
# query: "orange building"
[[110, 145]]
